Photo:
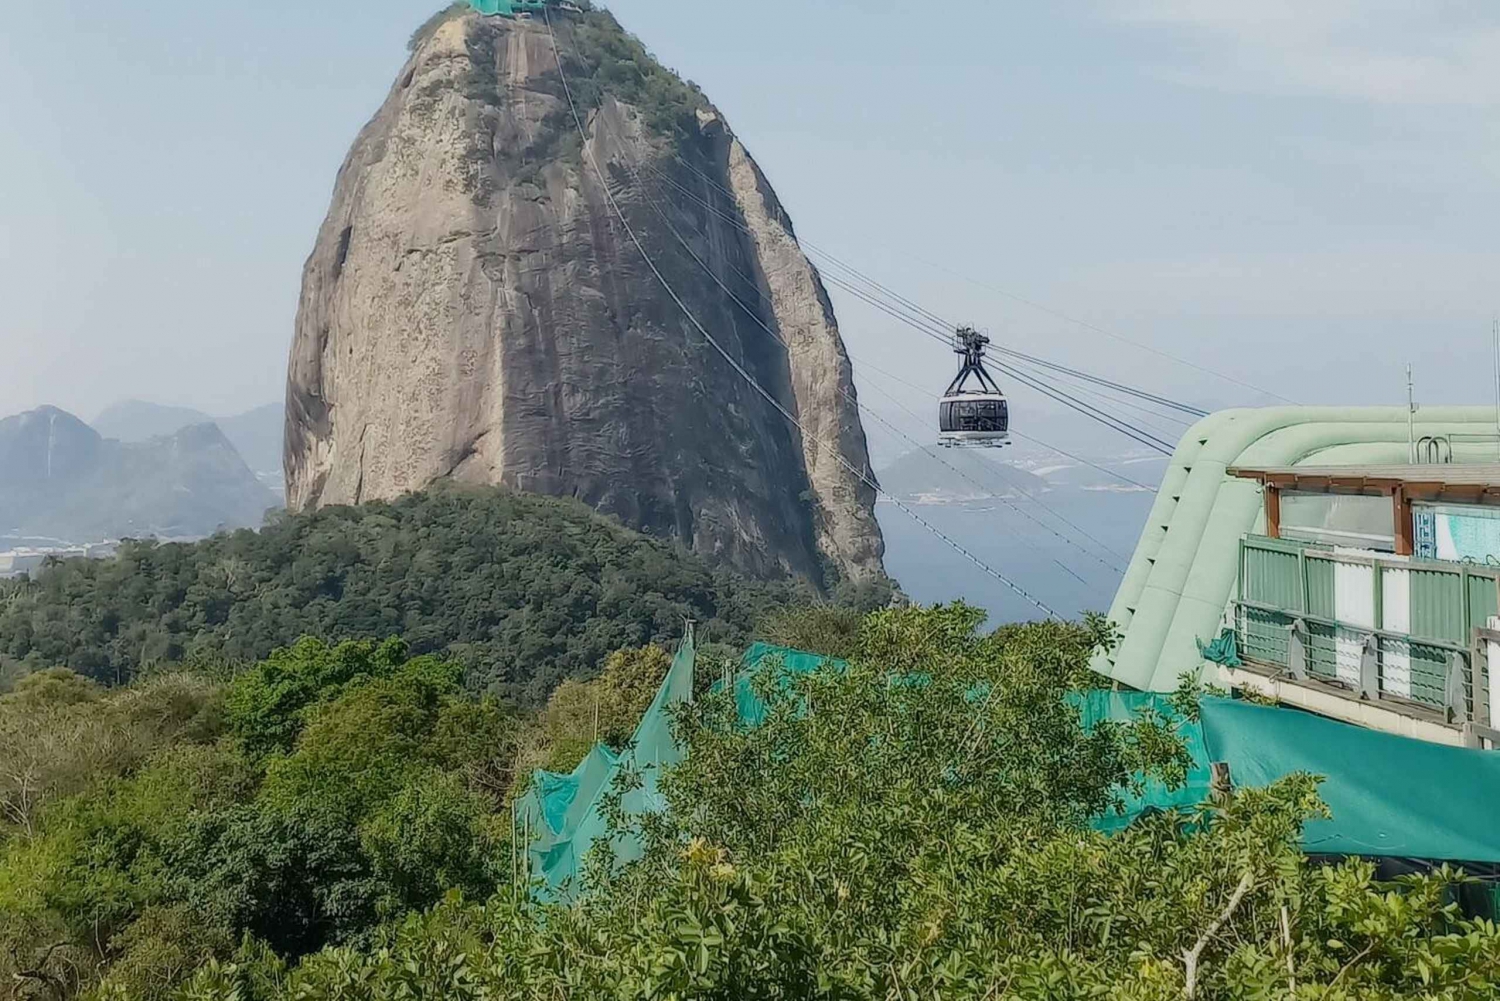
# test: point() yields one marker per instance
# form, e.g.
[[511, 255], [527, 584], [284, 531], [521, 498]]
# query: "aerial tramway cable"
[[740, 369], [929, 323], [920, 319], [754, 316], [1030, 303], [881, 419], [874, 415], [866, 364]]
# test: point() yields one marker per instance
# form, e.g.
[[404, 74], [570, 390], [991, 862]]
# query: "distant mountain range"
[[256, 434], [61, 478]]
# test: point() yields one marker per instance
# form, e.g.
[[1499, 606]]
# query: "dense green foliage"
[[912, 826], [601, 57], [525, 591], [332, 824], [160, 825]]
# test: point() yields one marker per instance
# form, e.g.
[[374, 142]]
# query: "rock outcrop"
[[474, 308]]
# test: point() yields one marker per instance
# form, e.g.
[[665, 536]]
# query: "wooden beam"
[[1273, 512], [1406, 544], [1422, 491], [1464, 493]]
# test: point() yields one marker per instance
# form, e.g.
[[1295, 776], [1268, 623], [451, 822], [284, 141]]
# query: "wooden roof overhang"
[[1455, 484]]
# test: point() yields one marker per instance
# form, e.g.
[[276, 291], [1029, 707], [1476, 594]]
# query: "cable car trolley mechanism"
[[973, 412]]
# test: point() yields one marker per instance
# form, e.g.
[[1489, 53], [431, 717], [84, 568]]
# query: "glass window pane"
[[1339, 520]]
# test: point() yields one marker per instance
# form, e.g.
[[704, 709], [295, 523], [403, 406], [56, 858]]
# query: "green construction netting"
[[750, 706], [563, 815], [1390, 796], [506, 8]]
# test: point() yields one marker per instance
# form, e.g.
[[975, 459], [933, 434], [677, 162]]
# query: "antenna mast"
[[1411, 420], [1495, 337]]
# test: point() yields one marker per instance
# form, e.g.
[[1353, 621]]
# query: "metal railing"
[[1435, 676]]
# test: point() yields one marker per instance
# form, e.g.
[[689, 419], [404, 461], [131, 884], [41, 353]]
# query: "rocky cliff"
[[474, 309]]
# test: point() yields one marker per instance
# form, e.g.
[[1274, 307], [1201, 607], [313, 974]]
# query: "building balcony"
[[1401, 636]]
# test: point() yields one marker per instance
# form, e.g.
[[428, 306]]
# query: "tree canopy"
[[524, 590], [912, 822]]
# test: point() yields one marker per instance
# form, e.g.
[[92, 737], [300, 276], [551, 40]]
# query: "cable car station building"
[[1299, 553]]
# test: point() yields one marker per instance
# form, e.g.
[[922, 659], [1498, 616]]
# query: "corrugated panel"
[[1271, 576], [1263, 636], [1429, 674], [1320, 589], [1482, 601], [1438, 611], [1322, 651]]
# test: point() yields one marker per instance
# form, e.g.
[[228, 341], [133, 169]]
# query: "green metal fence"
[[1386, 628]]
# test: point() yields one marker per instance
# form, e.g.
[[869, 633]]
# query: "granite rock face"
[[474, 309]]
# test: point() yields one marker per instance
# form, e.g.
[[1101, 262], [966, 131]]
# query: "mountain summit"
[[474, 309]]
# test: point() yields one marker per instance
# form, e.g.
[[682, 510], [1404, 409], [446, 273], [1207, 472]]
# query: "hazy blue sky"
[[1300, 192]]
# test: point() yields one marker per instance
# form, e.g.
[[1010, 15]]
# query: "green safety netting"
[[563, 815], [1390, 796], [507, 8], [749, 705], [1122, 707]]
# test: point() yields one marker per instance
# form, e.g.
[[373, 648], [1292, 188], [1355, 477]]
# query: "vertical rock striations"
[[474, 309]]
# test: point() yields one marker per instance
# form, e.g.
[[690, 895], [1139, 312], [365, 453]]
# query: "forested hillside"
[[523, 590]]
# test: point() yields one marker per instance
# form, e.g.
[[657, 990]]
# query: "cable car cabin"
[[974, 419], [976, 416]]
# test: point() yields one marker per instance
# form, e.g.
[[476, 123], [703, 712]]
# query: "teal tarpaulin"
[[1122, 707], [1390, 796]]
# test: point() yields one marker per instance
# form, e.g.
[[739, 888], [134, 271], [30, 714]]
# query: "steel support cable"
[[911, 313], [945, 328], [1027, 493], [877, 417], [933, 327], [865, 364], [926, 450], [1146, 418], [1118, 424], [774, 335], [805, 244], [1077, 528], [1058, 314], [1088, 410], [1101, 381], [928, 314], [1141, 435], [740, 369]]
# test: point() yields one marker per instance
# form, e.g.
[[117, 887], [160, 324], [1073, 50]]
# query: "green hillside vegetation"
[[333, 825], [525, 591], [328, 791]]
